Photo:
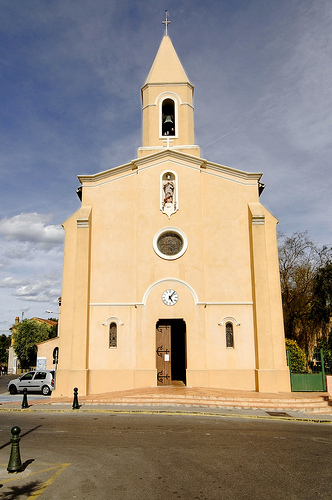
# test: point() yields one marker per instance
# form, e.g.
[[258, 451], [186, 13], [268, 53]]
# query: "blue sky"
[[71, 73]]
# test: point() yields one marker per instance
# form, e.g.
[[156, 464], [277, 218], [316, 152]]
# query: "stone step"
[[312, 405], [208, 400]]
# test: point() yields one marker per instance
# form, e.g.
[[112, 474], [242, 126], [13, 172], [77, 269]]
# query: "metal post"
[[25, 399], [15, 464], [323, 369], [75, 406]]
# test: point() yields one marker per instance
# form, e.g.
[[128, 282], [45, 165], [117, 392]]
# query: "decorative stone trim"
[[156, 283], [113, 318], [82, 223], [228, 318], [258, 219]]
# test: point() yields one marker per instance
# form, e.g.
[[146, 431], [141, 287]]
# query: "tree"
[[322, 302], [297, 356], [26, 335], [53, 330], [4, 345], [300, 261]]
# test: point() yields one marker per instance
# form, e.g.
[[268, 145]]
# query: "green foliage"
[[327, 352], [297, 356], [26, 335], [53, 331], [4, 345], [322, 304], [306, 287]]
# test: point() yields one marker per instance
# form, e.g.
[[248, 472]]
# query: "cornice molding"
[[168, 84], [163, 153]]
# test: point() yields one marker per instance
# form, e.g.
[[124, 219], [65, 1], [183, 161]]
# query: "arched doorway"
[[171, 351]]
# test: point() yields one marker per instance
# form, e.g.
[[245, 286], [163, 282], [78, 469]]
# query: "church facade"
[[170, 265]]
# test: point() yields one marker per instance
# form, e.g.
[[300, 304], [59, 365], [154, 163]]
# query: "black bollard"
[[25, 398], [75, 406], [15, 464]]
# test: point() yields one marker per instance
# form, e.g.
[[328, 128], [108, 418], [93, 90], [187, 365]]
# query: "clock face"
[[170, 297]]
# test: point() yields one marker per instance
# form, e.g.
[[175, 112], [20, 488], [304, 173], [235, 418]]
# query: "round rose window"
[[170, 243]]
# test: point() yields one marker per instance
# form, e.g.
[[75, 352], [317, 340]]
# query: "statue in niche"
[[168, 189], [168, 194]]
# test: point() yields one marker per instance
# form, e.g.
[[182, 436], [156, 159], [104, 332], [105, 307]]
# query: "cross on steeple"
[[166, 22]]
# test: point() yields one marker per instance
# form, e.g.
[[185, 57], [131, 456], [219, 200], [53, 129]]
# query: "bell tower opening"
[[168, 117]]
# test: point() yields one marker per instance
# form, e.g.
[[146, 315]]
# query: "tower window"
[[168, 117], [229, 335], [113, 335]]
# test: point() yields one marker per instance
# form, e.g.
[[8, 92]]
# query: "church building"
[[170, 265]]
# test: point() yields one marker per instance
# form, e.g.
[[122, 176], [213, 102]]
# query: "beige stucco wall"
[[230, 269]]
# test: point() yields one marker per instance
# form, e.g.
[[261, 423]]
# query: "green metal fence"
[[312, 377]]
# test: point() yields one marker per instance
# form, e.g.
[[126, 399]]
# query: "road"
[[76, 455], [4, 379]]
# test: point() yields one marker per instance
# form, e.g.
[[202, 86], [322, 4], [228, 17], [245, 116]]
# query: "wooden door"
[[163, 354]]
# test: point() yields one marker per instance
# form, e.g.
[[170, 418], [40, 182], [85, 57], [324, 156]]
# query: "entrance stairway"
[[174, 396]]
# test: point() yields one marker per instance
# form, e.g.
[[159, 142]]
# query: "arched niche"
[[169, 192]]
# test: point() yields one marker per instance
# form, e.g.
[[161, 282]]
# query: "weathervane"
[[166, 22]]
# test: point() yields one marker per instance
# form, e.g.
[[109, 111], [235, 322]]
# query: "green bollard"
[[15, 464], [25, 398], [75, 406]]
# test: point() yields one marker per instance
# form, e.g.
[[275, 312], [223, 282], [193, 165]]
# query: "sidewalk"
[[313, 407]]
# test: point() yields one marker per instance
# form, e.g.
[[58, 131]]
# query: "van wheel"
[[12, 389], [46, 390]]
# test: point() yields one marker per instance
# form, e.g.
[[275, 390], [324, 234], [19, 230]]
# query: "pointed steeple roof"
[[166, 67]]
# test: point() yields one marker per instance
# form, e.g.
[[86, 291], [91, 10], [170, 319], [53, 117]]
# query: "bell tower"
[[167, 105]]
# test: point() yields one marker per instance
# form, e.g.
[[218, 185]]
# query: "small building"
[[47, 354]]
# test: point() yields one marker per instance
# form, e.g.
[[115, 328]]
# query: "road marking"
[[48, 482], [59, 468]]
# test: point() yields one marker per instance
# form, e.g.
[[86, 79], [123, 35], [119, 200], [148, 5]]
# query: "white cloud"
[[33, 228], [11, 282], [39, 289]]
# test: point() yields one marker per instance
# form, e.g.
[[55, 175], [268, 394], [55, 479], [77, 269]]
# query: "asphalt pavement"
[[119, 453], [75, 455], [4, 379]]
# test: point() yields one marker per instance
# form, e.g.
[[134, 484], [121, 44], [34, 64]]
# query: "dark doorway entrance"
[[171, 351]]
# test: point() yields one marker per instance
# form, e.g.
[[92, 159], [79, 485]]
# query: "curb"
[[169, 412]]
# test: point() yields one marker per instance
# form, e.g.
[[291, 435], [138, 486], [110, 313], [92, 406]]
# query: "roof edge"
[[135, 164]]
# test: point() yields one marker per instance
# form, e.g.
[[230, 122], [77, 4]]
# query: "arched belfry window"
[[168, 117], [229, 334], [113, 335]]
